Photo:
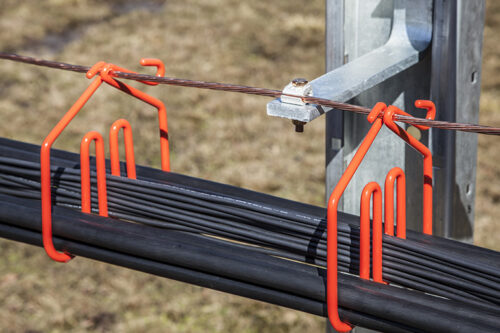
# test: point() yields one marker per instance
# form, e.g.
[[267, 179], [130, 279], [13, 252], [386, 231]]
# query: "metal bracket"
[[410, 35]]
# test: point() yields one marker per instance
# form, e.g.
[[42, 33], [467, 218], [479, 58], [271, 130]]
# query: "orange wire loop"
[[396, 174], [45, 178], [332, 211], [114, 154], [431, 111], [160, 68], [370, 189], [85, 173], [420, 147]]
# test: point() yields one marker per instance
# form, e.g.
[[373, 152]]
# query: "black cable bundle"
[[467, 276]]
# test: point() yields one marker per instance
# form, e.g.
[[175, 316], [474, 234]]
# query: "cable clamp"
[[298, 87]]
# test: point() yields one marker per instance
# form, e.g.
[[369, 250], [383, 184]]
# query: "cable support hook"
[[105, 71]]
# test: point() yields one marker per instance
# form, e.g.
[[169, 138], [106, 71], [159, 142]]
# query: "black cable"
[[442, 293], [427, 313], [282, 227]]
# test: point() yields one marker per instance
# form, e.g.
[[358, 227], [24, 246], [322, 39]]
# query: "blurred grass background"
[[214, 135]]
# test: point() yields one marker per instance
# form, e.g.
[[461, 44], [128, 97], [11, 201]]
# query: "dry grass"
[[224, 137], [487, 227], [219, 136]]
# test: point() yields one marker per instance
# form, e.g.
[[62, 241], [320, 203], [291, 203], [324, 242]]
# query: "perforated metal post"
[[448, 72]]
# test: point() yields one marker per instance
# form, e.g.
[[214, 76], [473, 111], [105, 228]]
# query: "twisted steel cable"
[[472, 128]]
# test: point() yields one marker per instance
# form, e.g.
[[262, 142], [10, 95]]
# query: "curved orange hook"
[[431, 111], [101, 173], [333, 202], [160, 68], [114, 154], [370, 189], [396, 174], [420, 147]]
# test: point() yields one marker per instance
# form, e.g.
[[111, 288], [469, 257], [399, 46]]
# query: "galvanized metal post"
[[448, 73], [455, 89]]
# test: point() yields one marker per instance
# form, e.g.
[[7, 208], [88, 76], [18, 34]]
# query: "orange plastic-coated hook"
[[431, 111], [333, 202], [420, 147], [162, 111], [45, 180], [364, 237], [101, 173], [114, 154], [396, 174], [160, 68]]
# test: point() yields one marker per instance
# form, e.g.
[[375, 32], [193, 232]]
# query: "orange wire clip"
[[105, 75], [373, 189]]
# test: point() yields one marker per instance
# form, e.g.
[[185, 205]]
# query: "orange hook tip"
[[431, 110], [160, 68], [154, 62]]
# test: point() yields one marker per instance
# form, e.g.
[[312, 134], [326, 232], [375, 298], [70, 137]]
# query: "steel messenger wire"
[[198, 260], [473, 278], [472, 128]]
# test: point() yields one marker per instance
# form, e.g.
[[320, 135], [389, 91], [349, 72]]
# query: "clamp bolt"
[[299, 82], [295, 90], [299, 125]]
